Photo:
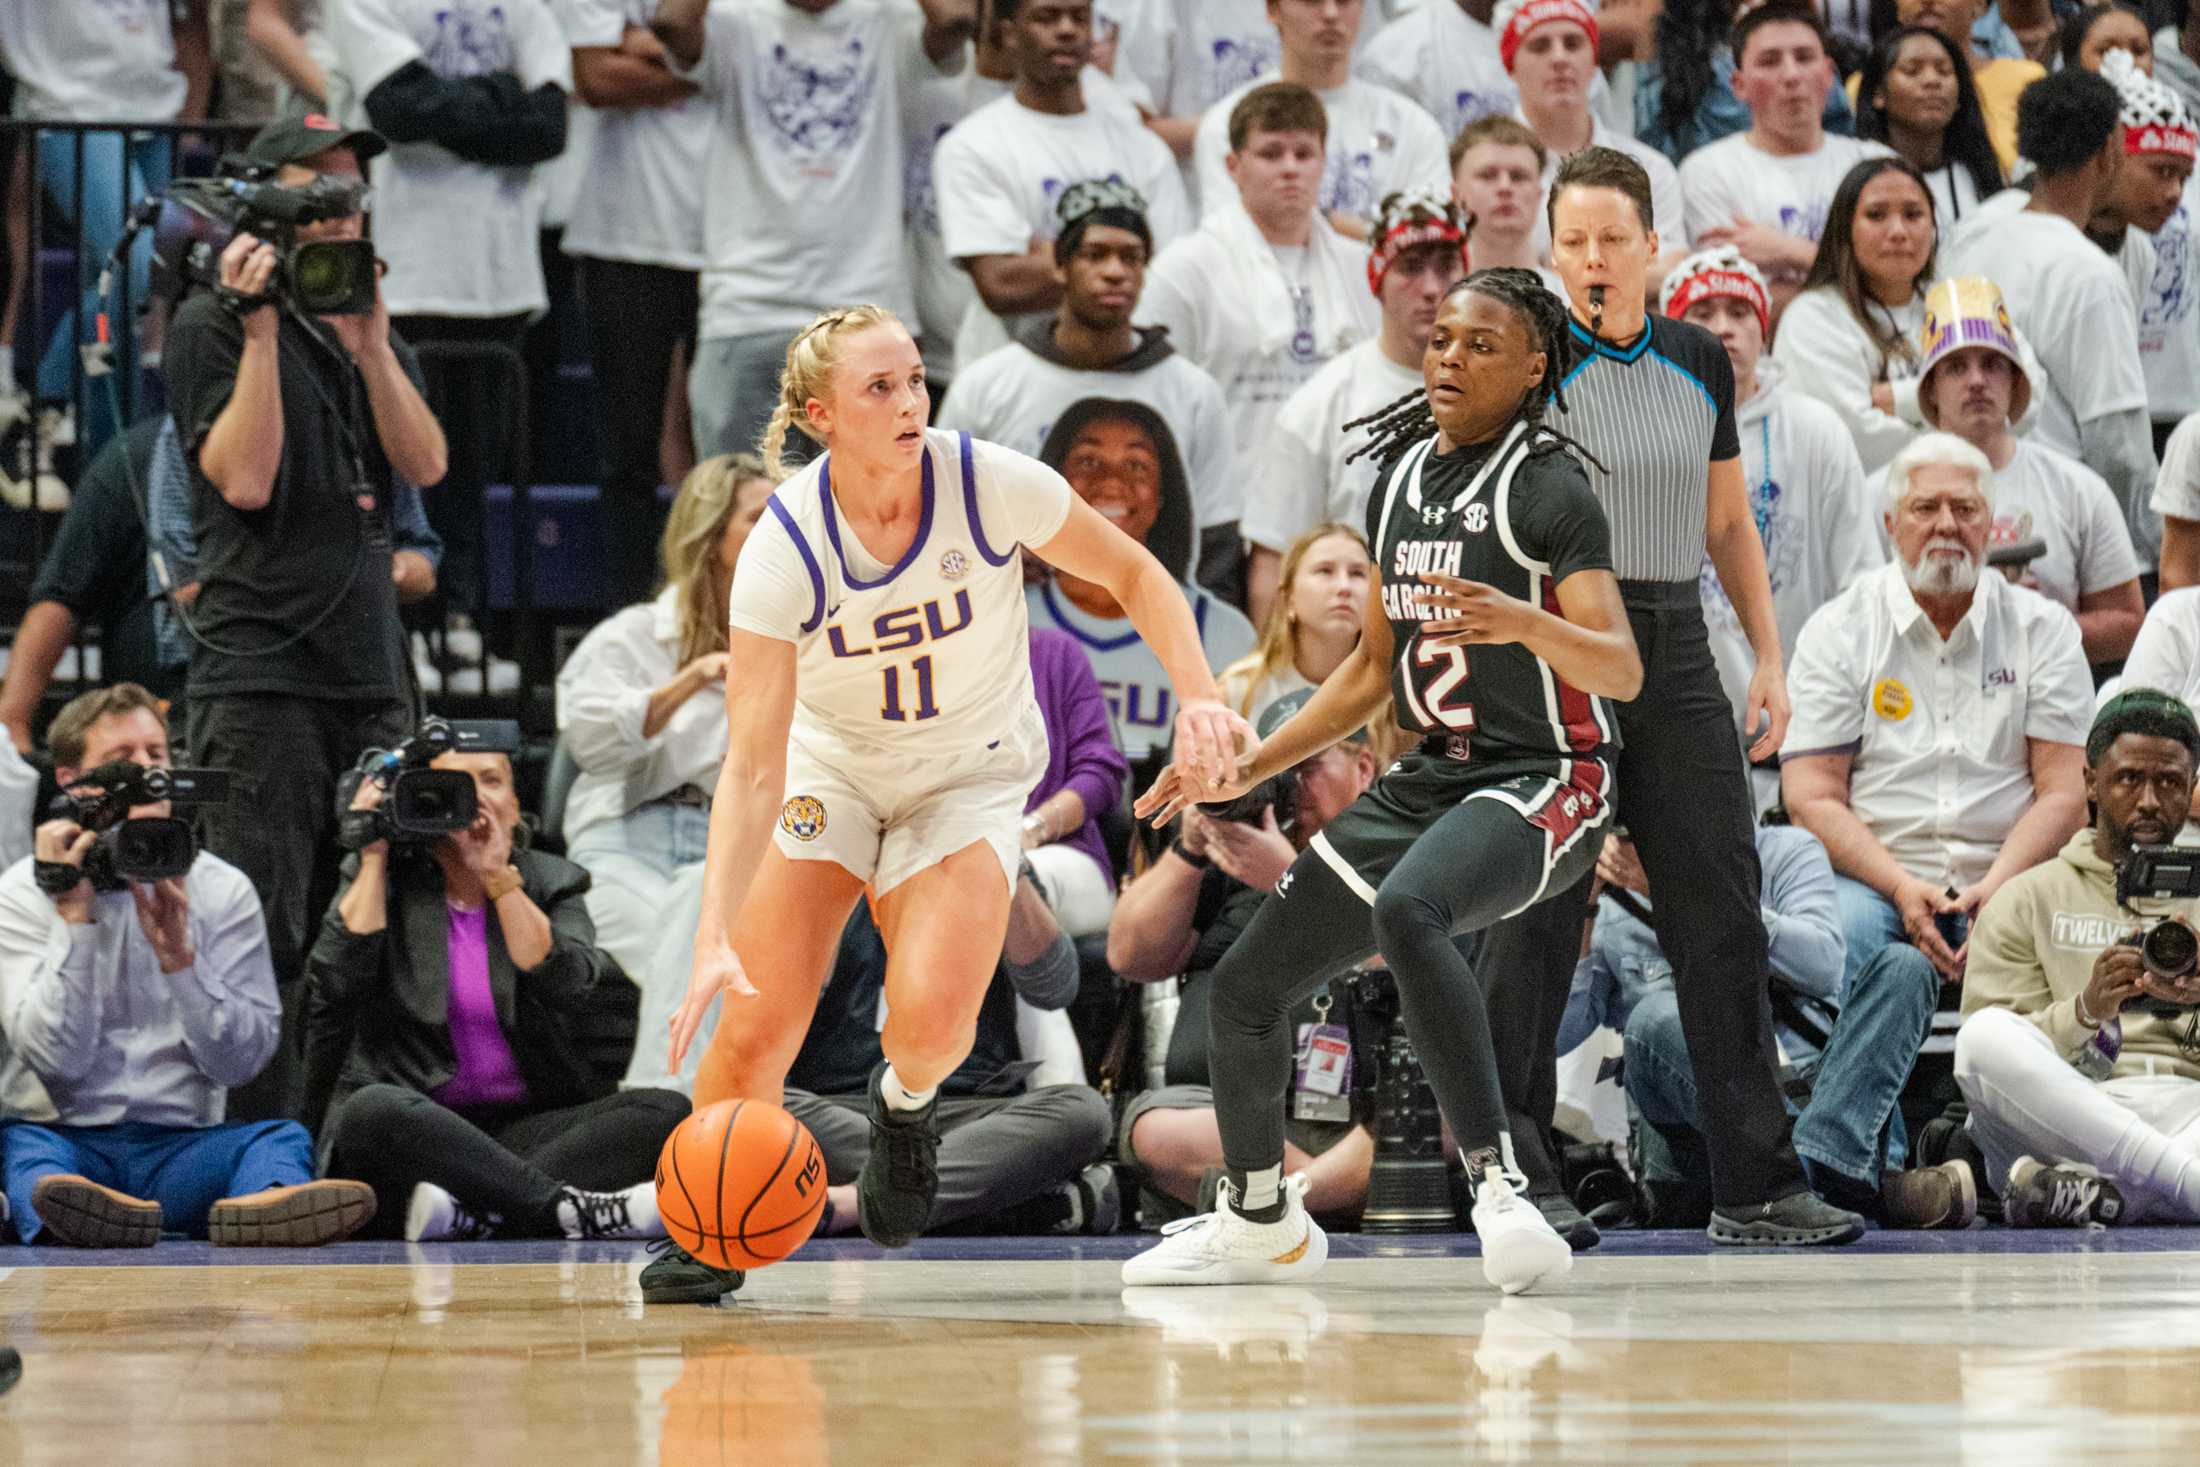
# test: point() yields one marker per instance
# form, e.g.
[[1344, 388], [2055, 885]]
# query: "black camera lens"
[[2170, 950], [333, 277]]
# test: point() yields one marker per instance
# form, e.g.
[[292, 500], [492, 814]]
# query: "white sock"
[[899, 1097], [2157, 1163], [1263, 1188]]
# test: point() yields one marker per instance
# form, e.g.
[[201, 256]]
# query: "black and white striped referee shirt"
[[1658, 412]]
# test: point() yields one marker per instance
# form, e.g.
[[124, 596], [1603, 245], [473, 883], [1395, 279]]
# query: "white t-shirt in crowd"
[[92, 60], [603, 700], [2177, 487], [1176, 57], [1444, 59], [805, 160], [1141, 704], [1261, 320], [1304, 479], [2167, 654], [997, 173], [1734, 177], [945, 292], [1013, 395], [1667, 215], [1379, 142], [1955, 195], [461, 238], [1807, 493], [638, 199], [1938, 728], [1827, 355], [2073, 304], [1253, 701], [2050, 496], [2169, 326]]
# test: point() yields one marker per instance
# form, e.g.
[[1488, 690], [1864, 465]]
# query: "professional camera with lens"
[[2167, 946], [197, 217], [420, 803], [144, 848]]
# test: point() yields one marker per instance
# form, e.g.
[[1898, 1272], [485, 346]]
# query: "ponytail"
[[808, 373]]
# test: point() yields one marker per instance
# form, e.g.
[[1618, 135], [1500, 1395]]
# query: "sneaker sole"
[[1303, 1263], [308, 1216], [1524, 1270], [700, 1293], [1773, 1235], [86, 1216]]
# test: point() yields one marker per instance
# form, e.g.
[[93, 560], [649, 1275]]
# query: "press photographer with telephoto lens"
[[294, 417]]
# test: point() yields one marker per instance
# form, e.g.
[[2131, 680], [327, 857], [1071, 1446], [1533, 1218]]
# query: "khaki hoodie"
[[2033, 948]]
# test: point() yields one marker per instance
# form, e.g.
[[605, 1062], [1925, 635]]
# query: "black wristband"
[[240, 304], [56, 877], [1197, 863]]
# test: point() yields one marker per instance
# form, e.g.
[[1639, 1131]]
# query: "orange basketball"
[[740, 1184]]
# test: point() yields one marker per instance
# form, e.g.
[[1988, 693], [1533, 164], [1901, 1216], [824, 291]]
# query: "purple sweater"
[[1081, 752]]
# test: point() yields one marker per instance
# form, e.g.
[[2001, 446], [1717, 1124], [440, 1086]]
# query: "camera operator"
[[293, 425], [1179, 917], [128, 1007], [2085, 1097], [441, 1062]]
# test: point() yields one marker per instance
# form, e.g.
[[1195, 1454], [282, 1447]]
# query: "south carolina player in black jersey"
[[1498, 622]]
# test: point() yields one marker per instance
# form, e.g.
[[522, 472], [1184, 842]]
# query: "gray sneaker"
[[676, 1276], [2043, 1196], [1800, 1220], [1943, 1196]]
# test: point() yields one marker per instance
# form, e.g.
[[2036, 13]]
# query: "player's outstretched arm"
[[1209, 736], [1588, 643], [751, 783], [1339, 708]]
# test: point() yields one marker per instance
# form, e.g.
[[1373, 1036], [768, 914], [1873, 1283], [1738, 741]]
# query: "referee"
[[1653, 398]]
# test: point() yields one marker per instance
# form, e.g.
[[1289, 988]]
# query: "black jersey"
[[1519, 522]]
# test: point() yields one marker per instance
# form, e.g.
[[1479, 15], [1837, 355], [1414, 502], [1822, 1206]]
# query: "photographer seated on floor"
[[134, 990], [1179, 917], [441, 1062], [1012, 1160], [2080, 1055]]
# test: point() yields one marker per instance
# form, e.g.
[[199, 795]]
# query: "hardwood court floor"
[[1981, 1348]]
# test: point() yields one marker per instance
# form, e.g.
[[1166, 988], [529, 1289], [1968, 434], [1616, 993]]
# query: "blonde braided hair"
[[810, 360]]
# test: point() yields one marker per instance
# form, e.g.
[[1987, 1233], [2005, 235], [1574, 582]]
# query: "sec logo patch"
[[1891, 700], [803, 817]]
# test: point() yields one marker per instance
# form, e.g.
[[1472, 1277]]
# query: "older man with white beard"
[[1937, 749]]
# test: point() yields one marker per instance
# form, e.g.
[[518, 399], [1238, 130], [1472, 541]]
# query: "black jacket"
[[377, 1005]]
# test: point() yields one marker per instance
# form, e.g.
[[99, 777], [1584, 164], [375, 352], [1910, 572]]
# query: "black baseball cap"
[[298, 135]]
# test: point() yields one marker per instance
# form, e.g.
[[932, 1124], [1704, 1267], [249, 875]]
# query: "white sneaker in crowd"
[[435, 1216], [1520, 1249], [1222, 1247]]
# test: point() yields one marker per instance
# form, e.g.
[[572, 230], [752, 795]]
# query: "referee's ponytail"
[[1397, 425]]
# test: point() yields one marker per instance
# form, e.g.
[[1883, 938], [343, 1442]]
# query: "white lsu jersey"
[[919, 671]]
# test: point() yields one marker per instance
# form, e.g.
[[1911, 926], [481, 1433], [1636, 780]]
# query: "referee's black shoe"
[[1801, 1220], [901, 1175]]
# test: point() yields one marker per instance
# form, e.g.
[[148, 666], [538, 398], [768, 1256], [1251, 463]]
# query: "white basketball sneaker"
[[1519, 1248], [1221, 1247]]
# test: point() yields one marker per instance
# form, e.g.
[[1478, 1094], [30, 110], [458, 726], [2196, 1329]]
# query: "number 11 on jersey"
[[920, 675]]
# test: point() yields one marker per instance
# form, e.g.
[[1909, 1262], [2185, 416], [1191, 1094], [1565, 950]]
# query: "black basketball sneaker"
[[676, 1276], [902, 1174]]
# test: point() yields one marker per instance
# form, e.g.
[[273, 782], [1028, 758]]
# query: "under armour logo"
[[1283, 883], [1432, 514]]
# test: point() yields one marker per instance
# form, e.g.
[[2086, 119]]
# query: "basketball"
[[740, 1184]]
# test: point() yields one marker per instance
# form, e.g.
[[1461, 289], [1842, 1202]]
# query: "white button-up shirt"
[[96, 1033], [603, 696], [1938, 728]]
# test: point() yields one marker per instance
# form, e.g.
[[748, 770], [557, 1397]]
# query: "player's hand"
[[1472, 612], [1213, 741], [1172, 794], [1768, 696], [717, 970]]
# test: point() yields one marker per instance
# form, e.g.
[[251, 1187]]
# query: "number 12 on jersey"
[[920, 678], [1443, 690]]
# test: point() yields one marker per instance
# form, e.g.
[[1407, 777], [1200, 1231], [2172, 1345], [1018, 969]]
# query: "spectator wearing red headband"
[[1805, 482], [1550, 50], [1419, 252]]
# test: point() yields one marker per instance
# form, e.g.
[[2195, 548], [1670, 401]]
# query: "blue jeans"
[[186, 1169], [1851, 1129], [119, 170]]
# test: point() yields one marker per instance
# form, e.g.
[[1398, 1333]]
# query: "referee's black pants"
[[1684, 798]]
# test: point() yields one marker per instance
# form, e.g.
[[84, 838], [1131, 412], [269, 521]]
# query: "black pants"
[[1434, 848], [480, 401], [638, 315], [1684, 799], [284, 755], [511, 1164]]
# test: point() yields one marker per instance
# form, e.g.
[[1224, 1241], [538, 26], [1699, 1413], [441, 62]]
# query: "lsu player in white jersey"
[[883, 736]]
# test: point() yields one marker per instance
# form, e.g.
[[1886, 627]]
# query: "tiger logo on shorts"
[[803, 817]]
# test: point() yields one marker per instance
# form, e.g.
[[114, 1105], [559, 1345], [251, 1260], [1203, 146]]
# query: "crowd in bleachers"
[[1177, 250]]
